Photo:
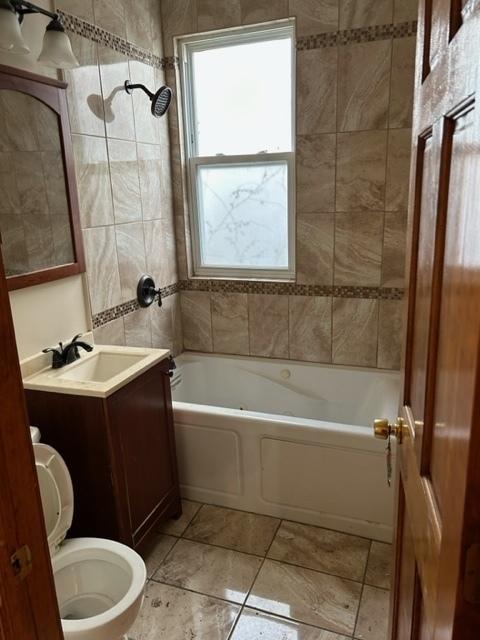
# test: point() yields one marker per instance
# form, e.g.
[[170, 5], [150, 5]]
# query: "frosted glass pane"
[[243, 98], [243, 212]]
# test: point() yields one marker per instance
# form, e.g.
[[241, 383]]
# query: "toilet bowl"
[[99, 583]]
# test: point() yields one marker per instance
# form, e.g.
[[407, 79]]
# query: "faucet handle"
[[57, 356]]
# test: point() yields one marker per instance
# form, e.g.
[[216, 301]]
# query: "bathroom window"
[[239, 115]]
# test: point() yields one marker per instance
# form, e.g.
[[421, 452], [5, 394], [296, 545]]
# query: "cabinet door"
[[141, 423]]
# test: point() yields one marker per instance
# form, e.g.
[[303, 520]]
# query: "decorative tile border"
[[83, 28], [349, 36]]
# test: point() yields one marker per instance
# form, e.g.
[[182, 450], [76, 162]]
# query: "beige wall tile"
[[84, 93], [196, 320], [218, 14], [254, 11], [150, 170], [403, 82], [268, 317], [361, 158], [138, 332], [314, 16], [394, 245], [81, 8], [14, 248], [405, 10], [316, 173], [316, 91], [111, 15], [315, 241], [365, 13], [18, 131], [62, 238], [127, 204], [310, 329], [230, 323], [140, 26], [181, 248], [93, 181], [160, 251], [398, 169], [131, 257], [118, 104], [38, 240], [355, 330], [147, 128], [166, 324], [102, 268], [364, 85], [111, 333], [30, 182], [178, 18], [358, 249], [390, 334]]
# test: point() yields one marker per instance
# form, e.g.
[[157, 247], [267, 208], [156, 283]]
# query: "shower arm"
[[130, 87]]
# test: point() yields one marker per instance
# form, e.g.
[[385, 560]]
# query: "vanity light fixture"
[[57, 49]]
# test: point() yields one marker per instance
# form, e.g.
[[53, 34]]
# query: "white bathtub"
[[287, 439]]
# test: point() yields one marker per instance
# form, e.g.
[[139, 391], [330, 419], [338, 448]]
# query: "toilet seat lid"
[[56, 491]]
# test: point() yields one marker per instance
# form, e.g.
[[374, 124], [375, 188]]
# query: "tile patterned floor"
[[220, 574]]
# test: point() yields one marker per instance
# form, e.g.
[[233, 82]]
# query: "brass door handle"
[[383, 429]]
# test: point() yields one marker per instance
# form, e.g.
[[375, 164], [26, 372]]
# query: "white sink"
[[98, 373]]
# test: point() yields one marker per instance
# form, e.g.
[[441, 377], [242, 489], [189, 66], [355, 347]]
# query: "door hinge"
[[21, 562], [471, 585]]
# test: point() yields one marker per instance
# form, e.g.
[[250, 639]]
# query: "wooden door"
[[28, 605], [436, 593]]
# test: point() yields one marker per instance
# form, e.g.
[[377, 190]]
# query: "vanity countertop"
[[98, 373]]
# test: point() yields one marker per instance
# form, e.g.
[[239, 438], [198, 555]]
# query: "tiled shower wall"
[[355, 73], [122, 159]]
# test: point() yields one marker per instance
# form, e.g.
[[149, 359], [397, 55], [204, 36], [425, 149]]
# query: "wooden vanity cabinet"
[[120, 452]]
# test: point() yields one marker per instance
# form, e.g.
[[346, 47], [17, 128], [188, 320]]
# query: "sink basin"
[[98, 373], [101, 367]]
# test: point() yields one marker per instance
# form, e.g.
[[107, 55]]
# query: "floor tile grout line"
[[361, 592]]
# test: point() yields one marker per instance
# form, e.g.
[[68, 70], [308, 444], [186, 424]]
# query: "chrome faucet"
[[67, 354]]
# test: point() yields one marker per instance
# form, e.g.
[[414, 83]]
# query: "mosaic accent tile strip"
[[290, 289], [364, 34], [101, 36], [126, 308]]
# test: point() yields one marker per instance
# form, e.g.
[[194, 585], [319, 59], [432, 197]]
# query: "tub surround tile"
[[178, 18], [405, 10], [221, 573], [255, 625], [150, 170], [146, 126], [230, 323], [196, 321], [361, 158], [81, 8], [316, 173], [306, 596], [175, 614], [394, 247], [156, 552], [164, 321], [358, 249], [138, 331], [321, 549], [39, 240], [118, 104], [365, 13], [218, 14], [256, 11], [140, 23], [372, 623], [102, 268], [379, 569], [403, 82], [30, 181], [364, 86], [131, 257], [177, 526], [310, 329], [111, 15], [268, 318], [315, 248], [160, 251], [93, 181], [237, 530], [355, 331], [398, 169], [314, 16], [111, 333], [316, 92], [390, 334], [127, 204]]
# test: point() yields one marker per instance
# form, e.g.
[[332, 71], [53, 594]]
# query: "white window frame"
[[187, 46]]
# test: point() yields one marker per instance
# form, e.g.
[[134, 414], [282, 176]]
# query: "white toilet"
[[99, 583]]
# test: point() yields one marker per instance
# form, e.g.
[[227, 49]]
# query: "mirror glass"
[[34, 206]]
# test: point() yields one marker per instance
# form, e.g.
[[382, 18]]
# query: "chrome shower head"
[[160, 99]]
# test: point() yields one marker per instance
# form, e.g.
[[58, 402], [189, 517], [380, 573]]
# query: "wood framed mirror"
[[39, 212]]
